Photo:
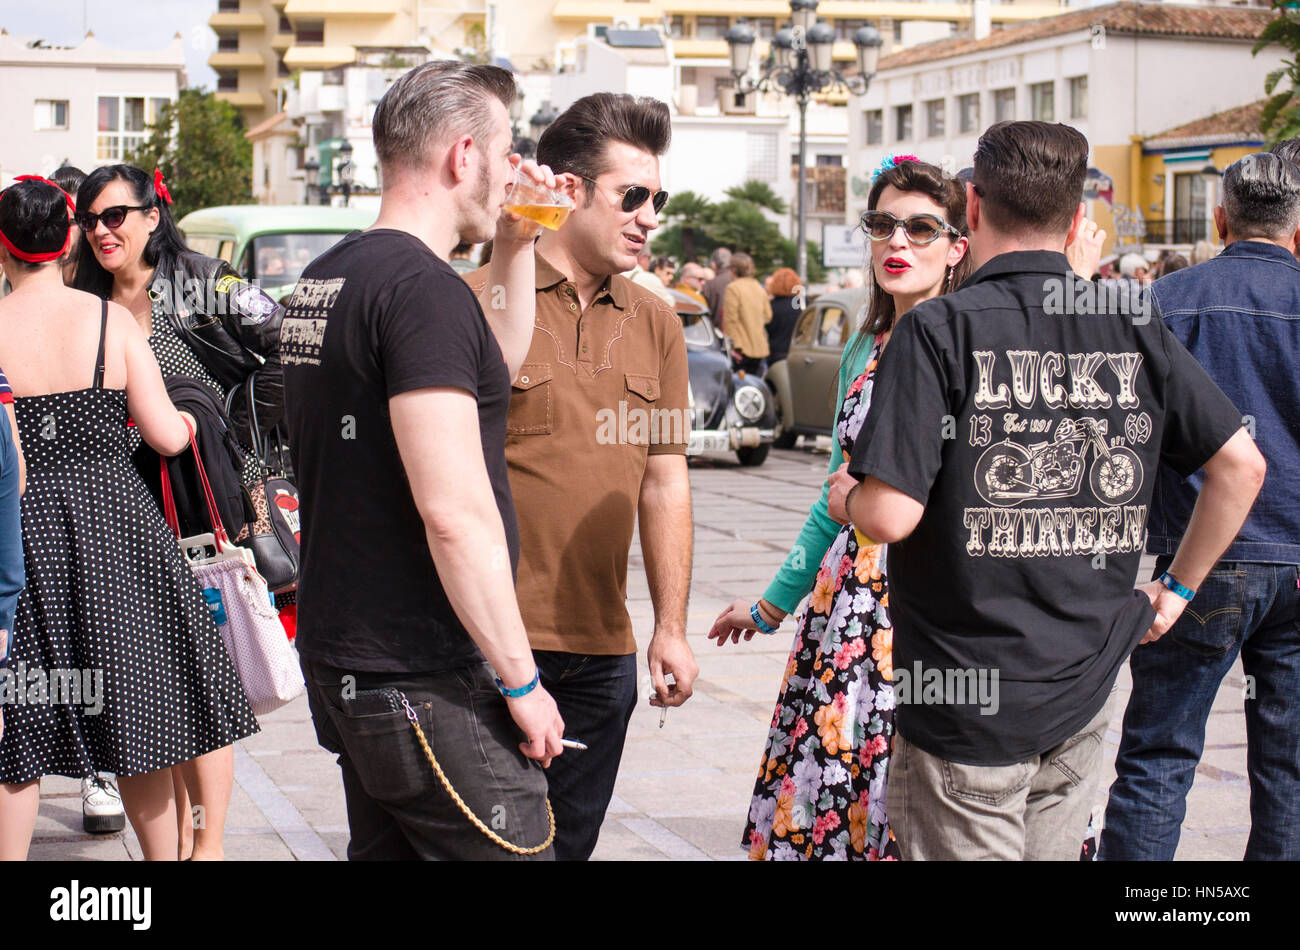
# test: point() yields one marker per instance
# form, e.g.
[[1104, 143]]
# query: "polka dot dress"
[[110, 598]]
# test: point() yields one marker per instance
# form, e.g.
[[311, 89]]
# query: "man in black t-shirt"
[[1008, 459], [397, 388]]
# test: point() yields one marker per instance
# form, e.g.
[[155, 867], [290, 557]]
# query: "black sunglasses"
[[112, 217], [636, 196], [919, 228]]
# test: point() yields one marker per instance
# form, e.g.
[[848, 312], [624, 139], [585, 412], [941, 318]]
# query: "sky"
[[123, 24]]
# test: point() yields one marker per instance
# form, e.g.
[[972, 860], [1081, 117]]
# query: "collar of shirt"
[[1017, 263], [1259, 250], [548, 277]]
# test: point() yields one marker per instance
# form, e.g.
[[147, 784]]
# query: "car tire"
[[754, 455]]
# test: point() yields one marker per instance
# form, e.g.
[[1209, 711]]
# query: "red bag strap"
[[169, 500]]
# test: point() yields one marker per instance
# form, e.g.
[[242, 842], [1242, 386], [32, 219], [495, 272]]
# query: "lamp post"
[[312, 168], [800, 64], [347, 170], [541, 119]]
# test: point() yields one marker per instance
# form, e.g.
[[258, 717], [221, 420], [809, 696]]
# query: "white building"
[[1117, 73], [86, 105]]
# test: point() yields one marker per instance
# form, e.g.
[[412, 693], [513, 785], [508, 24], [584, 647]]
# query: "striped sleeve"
[[6, 394]]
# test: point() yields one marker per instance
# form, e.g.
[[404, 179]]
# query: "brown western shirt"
[[600, 391]]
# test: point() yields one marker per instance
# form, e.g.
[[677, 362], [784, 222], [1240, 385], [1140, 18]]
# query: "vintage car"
[[730, 411], [805, 382], [271, 244]]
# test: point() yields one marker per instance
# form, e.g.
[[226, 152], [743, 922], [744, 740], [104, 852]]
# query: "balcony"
[[236, 21], [319, 57], [281, 41], [243, 100], [236, 61], [357, 9]]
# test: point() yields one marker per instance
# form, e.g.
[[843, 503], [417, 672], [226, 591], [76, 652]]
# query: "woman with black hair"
[[110, 602], [202, 323], [69, 178]]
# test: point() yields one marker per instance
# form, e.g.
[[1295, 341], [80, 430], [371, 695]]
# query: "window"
[[875, 126], [968, 112], [281, 67], [285, 27], [1004, 105], [934, 116], [51, 114], [1189, 208], [677, 27], [227, 42], [760, 155], [121, 125], [803, 333], [903, 124], [1079, 97], [832, 328], [711, 27], [1042, 101], [844, 29], [227, 6], [310, 33], [764, 26], [898, 31], [227, 81], [332, 77], [830, 161]]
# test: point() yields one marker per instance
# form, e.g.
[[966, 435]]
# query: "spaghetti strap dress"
[[116, 664]]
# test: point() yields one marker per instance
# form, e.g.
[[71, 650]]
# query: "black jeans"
[[596, 696], [397, 808]]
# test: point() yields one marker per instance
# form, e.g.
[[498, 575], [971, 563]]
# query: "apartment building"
[[1121, 73], [87, 105]]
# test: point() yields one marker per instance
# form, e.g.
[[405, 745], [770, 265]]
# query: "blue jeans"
[[596, 695], [1242, 607]]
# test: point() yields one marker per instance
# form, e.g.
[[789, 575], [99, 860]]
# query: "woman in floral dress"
[[820, 792]]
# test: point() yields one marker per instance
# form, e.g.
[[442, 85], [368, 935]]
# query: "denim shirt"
[[1239, 316]]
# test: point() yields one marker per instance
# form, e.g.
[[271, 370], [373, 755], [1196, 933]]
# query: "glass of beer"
[[534, 201]]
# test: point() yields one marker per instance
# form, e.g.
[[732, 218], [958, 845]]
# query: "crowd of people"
[[997, 471]]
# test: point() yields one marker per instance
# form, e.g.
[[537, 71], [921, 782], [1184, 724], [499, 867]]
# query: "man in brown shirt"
[[596, 438]]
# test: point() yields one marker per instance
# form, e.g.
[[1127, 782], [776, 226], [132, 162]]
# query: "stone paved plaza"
[[683, 790]]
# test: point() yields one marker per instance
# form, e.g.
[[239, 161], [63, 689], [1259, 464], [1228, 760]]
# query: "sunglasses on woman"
[[919, 228], [636, 196], [112, 217]]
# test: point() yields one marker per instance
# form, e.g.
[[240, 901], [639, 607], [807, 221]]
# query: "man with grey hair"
[[397, 384], [715, 289], [1239, 315], [1290, 150]]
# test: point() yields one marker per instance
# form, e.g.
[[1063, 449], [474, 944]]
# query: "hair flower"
[[891, 161], [160, 186]]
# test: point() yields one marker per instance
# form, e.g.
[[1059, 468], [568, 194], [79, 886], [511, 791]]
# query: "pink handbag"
[[241, 605]]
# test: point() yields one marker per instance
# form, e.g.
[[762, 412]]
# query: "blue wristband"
[[522, 690], [1186, 593], [763, 625]]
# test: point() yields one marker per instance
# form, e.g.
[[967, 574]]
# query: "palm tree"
[[689, 211]]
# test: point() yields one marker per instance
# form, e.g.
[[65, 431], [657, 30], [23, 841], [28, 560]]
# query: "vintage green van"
[[271, 244]]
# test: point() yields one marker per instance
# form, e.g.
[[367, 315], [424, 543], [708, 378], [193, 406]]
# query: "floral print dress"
[[820, 793]]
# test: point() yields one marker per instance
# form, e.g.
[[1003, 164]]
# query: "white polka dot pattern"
[[108, 589]]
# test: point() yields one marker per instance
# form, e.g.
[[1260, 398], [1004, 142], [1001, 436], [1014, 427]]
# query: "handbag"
[[241, 606], [275, 538]]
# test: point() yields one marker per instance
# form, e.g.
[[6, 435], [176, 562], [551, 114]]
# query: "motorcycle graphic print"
[[1009, 473]]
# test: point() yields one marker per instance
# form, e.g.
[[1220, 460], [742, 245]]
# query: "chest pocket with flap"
[[531, 411]]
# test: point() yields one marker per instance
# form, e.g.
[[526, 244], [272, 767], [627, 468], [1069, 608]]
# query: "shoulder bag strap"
[[169, 500]]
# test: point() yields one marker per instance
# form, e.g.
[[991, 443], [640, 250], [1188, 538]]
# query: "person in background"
[[12, 483], [821, 787], [995, 586], [1135, 267], [69, 178], [108, 591], [644, 273], [1203, 251], [787, 306], [602, 345], [749, 310], [663, 268], [1169, 264], [716, 287], [691, 281], [1239, 316], [132, 254], [460, 258]]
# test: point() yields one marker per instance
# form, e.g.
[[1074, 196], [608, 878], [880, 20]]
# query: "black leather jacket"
[[232, 326]]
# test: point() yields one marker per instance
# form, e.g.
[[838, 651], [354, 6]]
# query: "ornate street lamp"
[[312, 169], [347, 170], [800, 63], [542, 118]]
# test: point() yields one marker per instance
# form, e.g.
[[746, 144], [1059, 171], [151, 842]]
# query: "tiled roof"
[[1232, 125], [1155, 19]]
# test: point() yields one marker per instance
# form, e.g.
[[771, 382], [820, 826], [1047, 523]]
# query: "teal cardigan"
[[796, 576]]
